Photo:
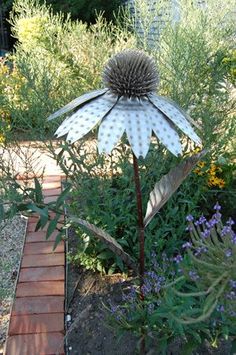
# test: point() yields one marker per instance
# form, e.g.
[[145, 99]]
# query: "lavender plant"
[[212, 266], [191, 295]]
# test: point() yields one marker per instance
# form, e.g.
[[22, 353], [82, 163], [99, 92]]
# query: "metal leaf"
[[168, 184], [108, 240], [77, 102]]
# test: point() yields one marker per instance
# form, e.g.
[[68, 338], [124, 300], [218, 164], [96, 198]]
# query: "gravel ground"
[[11, 243]]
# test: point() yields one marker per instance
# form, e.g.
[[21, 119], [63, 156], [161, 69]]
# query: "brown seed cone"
[[131, 73]]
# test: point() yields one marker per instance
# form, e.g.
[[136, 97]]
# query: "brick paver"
[[37, 323], [44, 288], [43, 248], [42, 274], [38, 305], [37, 317], [52, 259], [45, 343], [40, 236]]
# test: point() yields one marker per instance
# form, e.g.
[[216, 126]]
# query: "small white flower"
[[128, 104]]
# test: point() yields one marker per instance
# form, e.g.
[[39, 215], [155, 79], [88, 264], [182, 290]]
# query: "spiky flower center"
[[131, 73]]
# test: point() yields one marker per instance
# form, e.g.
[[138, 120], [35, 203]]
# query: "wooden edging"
[[37, 316]]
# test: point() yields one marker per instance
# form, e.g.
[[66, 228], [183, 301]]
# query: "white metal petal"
[[138, 126], [86, 117], [164, 131], [77, 102], [176, 115], [110, 131]]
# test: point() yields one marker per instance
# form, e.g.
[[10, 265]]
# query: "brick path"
[[37, 317]]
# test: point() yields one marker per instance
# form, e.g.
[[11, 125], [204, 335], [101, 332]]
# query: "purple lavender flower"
[[130, 296], [189, 229], [200, 250], [206, 233], [231, 296], [220, 308], [202, 219], [226, 230], [232, 283], [113, 308], [217, 207], [233, 240], [193, 275], [230, 222], [217, 216], [211, 223], [178, 258], [146, 288], [187, 245], [228, 253], [189, 218]]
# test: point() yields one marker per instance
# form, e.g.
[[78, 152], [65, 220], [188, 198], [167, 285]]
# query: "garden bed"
[[88, 331]]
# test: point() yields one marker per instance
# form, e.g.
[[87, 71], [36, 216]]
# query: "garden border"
[[37, 326]]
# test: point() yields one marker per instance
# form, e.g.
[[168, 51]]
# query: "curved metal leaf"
[[168, 184], [108, 240], [77, 102]]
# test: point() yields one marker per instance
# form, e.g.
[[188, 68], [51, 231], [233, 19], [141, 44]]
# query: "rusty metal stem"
[[141, 240], [140, 218]]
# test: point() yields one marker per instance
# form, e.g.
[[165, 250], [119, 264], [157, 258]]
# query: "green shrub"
[[104, 194], [188, 296], [56, 60], [191, 55]]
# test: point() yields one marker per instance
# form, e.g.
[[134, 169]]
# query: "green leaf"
[[38, 191], [43, 219], [112, 269], [41, 211], [58, 239], [105, 255], [61, 199], [52, 226]]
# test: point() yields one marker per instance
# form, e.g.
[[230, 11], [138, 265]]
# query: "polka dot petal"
[[85, 118], [77, 102], [138, 126], [110, 131], [165, 132], [176, 115]]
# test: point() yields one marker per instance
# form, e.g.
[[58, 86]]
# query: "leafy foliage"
[[187, 296], [54, 61], [104, 194]]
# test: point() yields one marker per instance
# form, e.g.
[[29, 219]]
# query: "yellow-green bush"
[[55, 60]]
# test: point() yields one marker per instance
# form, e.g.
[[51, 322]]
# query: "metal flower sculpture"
[[127, 104]]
